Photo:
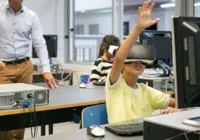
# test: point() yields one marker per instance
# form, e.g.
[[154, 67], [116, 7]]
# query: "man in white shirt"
[[19, 25]]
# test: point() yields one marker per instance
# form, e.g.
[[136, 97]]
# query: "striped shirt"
[[100, 69]]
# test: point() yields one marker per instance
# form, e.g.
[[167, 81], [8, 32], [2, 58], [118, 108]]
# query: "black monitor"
[[161, 40], [51, 41], [152, 27], [186, 52]]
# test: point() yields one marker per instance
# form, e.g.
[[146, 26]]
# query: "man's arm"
[[41, 49], [144, 21], [40, 44]]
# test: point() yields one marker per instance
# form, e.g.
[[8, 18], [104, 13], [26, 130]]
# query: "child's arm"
[[144, 21], [2, 65]]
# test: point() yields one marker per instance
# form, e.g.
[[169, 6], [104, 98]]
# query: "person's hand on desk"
[[50, 80], [170, 110], [2, 65]]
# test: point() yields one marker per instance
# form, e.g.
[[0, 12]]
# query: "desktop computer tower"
[[154, 131], [159, 83], [171, 126]]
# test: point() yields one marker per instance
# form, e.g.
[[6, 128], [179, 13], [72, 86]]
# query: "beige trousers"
[[16, 73]]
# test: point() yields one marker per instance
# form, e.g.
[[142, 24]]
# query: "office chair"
[[94, 115]]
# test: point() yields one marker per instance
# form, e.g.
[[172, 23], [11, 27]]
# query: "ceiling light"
[[197, 4], [167, 5]]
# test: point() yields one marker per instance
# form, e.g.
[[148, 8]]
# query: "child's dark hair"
[[106, 42]]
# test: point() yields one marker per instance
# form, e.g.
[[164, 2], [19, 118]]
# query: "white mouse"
[[96, 131], [82, 85]]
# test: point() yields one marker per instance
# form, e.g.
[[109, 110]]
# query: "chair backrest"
[[94, 115]]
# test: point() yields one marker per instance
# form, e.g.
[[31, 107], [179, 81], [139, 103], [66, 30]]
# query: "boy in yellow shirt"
[[125, 98]]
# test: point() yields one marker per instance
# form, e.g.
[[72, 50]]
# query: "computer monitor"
[[51, 42], [186, 52], [161, 40], [152, 27]]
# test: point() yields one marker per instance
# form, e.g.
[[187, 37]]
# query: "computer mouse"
[[82, 85], [96, 131]]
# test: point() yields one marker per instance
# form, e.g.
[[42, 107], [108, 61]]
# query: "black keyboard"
[[126, 129], [96, 83]]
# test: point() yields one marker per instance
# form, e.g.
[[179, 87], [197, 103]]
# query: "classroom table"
[[64, 102], [82, 135]]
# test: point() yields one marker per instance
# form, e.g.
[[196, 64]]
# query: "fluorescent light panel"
[[168, 5]]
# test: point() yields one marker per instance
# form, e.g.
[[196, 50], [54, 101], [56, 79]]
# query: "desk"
[[64, 102], [38, 76], [82, 135], [161, 126], [170, 125]]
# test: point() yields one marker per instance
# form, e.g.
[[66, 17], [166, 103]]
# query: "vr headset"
[[113, 49], [146, 55]]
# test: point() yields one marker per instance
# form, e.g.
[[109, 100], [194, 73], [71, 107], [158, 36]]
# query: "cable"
[[35, 118], [185, 135], [62, 78], [31, 122], [23, 117], [63, 72]]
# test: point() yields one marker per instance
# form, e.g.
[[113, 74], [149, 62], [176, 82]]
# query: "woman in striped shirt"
[[103, 63]]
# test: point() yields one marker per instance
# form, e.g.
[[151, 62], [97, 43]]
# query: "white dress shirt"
[[16, 32]]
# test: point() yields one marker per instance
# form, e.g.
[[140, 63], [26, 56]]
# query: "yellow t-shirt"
[[125, 103]]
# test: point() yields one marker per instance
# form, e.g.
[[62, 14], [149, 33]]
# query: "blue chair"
[[94, 115]]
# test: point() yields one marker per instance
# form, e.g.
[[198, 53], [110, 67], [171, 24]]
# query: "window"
[[197, 8], [164, 9], [126, 28], [92, 22], [79, 29], [93, 29]]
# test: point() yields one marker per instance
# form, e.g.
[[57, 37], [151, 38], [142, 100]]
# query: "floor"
[[58, 128]]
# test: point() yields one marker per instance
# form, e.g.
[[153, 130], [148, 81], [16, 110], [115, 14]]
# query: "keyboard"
[[126, 129], [96, 83]]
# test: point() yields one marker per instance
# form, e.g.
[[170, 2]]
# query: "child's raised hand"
[[144, 15]]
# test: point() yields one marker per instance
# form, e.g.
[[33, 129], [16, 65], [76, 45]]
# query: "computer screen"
[[51, 42], [161, 40], [153, 27], [186, 52]]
